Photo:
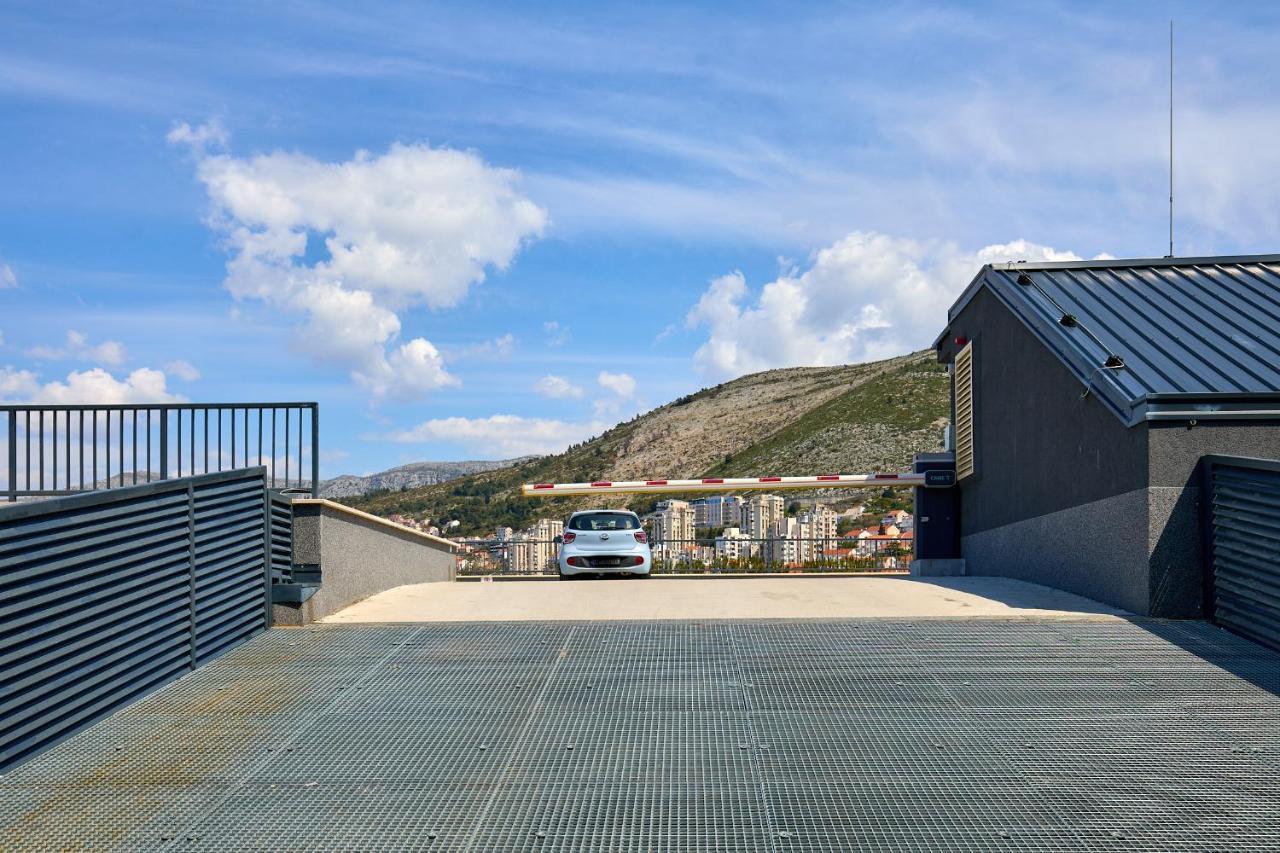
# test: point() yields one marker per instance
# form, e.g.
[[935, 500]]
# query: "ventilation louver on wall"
[[963, 378]]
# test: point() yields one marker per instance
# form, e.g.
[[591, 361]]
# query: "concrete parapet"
[[358, 555]]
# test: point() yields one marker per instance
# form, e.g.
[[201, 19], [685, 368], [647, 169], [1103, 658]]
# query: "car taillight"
[[640, 537], [568, 537]]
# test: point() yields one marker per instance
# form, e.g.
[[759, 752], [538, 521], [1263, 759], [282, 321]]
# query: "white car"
[[600, 541]]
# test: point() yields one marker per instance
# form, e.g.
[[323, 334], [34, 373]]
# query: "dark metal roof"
[[1195, 337]]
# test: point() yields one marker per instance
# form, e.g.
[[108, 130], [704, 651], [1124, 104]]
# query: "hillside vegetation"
[[847, 419]]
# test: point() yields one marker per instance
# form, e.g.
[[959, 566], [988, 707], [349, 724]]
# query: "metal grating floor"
[[776, 736]]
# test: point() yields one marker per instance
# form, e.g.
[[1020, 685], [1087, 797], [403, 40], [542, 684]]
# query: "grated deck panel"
[[777, 736]]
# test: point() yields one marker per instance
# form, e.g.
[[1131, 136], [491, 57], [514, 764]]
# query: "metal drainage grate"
[[773, 736]]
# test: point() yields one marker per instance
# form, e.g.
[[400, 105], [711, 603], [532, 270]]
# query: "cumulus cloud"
[[77, 346], [352, 245], [619, 383], [8, 278], [500, 436], [184, 370], [865, 297], [557, 388], [97, 386]]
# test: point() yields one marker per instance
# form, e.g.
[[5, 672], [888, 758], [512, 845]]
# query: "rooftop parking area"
[[720, 597], [832, 734]]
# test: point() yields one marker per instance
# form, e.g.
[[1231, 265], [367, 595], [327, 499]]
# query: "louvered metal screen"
[[1242, 545], [281, 538], [108, 595], [963, 378]]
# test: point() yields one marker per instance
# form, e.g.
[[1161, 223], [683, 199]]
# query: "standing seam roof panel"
[[1151, 310], [1202, 327]]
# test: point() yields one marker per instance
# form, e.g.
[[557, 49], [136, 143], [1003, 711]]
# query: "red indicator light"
[[961, 341]]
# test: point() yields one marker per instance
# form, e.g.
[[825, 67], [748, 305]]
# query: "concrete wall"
[[358, 555]]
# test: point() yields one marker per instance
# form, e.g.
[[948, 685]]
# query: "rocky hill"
[[852, 418], [412, 476]]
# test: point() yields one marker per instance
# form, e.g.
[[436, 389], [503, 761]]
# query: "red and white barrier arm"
[[721, 484]]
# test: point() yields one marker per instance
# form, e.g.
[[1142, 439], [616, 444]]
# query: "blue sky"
[[567, 214]]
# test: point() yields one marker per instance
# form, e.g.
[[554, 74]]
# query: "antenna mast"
[[1171, 138]]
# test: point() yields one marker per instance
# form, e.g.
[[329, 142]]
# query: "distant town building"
[[534, 549], [672, 524], [717, 511], [898, 518], [761, 515], [734, 545]]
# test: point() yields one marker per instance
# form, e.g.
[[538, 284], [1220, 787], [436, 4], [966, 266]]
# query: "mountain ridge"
[[801, 420], [408, 476]]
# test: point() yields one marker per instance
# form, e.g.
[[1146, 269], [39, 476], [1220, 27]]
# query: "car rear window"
[[604, 521]]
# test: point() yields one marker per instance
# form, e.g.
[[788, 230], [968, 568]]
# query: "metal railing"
[[521, 556], [60, 450]]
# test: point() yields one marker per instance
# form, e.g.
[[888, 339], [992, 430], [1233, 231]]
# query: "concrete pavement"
[[710, 597]]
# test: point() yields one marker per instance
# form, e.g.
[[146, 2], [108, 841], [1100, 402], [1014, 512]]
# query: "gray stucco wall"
[[358, 557], [1139, 551], [1098, 550], [1039, 447]]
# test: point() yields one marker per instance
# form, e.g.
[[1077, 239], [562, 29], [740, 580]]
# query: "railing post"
[[12, 475], [191, 575], [269, 615], [164, 444], [315, 451]]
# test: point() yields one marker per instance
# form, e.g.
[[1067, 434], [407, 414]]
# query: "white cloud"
[[500, 436], [557, 388], [199, 138], [184, 370], [619, 383], [868, 296], [97, 386], [110, 353], [557, 335], [351, 245], [8, 278]]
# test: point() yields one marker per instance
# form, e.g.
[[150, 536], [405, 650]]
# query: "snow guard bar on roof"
[[932, 479]]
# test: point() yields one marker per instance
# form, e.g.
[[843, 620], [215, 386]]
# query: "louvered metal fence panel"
[[281, 538], [108, 595], [1242, 522], [232, 571]]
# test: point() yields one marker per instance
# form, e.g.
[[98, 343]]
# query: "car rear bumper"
[[593, 564]]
